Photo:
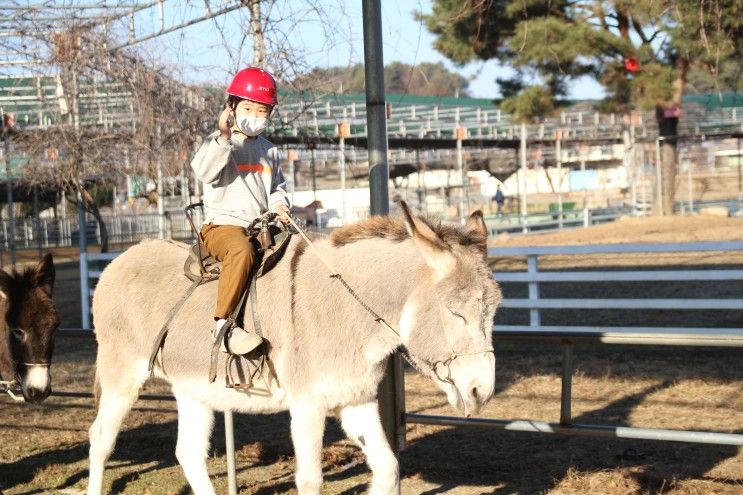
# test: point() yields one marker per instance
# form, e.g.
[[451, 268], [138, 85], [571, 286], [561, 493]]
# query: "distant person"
[[499, 199], [9, 124]]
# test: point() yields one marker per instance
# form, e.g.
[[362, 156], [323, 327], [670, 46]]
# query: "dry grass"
[[43, 448]]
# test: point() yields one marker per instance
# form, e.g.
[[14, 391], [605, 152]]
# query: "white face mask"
[[250, 125]]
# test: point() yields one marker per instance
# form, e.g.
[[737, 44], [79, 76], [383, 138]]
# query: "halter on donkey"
[[325, 354]]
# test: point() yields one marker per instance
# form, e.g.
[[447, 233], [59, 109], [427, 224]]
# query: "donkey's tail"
[[96, 388]]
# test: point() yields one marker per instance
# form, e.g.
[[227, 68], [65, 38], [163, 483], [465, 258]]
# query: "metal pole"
[[462, 175], [422, 203], [658, 177], [585, 189], [522, 178], [83, 243], [37, 220], [740, 177], [342, 167], [558, 160], [632, 165], [312, 167], [10, 238], [160, 199], [229, 443], [567, 383], [391, 401], [290, 174], [582, 430]]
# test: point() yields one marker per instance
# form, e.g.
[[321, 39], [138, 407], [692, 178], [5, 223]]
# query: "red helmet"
[[254, 84]]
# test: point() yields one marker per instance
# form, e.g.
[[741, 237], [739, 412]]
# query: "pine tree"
[[641, 51]]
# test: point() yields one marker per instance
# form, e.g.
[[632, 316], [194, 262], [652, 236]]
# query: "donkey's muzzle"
[[36, 384], [475, 397], [36, 395]]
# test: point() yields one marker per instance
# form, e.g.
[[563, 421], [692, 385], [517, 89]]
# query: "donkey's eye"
[[19, 333], [457, 314]]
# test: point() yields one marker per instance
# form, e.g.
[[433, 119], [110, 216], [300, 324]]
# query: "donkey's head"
[[30, 320], [447, 321]]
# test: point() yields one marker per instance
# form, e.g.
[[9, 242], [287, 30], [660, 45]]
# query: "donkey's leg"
[[118, 392], [308, 426], [363, 426], [195, 422]]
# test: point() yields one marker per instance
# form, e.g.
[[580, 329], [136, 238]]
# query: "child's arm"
[[212, 157], [278, 194]]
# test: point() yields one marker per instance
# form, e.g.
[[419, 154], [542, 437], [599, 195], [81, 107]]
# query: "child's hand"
[[283, 212], [223, 124]]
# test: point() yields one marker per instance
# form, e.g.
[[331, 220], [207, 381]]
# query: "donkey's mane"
[[394, 229]]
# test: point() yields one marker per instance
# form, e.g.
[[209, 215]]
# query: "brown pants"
[[230, 245]]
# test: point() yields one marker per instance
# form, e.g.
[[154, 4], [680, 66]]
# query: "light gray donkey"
[[326, 353]]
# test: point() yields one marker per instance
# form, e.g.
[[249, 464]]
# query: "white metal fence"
[[678, 335], [552, 221], [49, 232]]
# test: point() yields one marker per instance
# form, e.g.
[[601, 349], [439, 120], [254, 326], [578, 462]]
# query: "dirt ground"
[[43, 448]]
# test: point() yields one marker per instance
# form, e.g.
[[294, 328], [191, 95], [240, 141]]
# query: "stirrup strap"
[[254, 308], [160, 339], [226, 327]]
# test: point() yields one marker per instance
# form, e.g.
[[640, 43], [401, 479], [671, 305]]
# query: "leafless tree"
[[121, 111]]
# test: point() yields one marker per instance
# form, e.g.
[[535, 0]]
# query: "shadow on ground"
[[535, 463]]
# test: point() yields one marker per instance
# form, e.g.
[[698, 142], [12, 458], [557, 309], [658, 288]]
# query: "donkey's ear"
[[45, 273], [5, 284], [476, 224], [435, 251], [475, 227]]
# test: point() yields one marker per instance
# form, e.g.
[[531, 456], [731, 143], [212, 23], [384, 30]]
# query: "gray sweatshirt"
[[242, 179]]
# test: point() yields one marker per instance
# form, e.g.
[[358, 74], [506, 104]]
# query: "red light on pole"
[[632, 65]]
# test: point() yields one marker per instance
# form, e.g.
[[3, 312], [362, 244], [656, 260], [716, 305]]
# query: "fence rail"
[[48, 232], [552, 221]]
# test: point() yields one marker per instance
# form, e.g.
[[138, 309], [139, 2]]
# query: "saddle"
[[270, 247], [270, 239]]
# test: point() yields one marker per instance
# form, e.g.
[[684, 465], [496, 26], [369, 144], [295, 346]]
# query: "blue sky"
[[207, 55]]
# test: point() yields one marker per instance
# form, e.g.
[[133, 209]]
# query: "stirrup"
[[244, 343]]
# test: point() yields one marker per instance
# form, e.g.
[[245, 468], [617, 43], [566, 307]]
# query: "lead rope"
[[334, 274], [403, 351], [7, 387]]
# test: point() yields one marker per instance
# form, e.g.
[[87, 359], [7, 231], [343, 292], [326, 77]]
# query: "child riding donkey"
[[242, 180]]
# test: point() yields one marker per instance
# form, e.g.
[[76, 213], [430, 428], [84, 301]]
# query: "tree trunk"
[[667, 131], [668, 120], [90, 206], [256, 26]]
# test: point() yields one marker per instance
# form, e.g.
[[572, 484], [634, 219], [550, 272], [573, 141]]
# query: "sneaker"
[[239, 340]]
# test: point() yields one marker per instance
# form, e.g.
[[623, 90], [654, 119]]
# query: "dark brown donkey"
[[27, 328]]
